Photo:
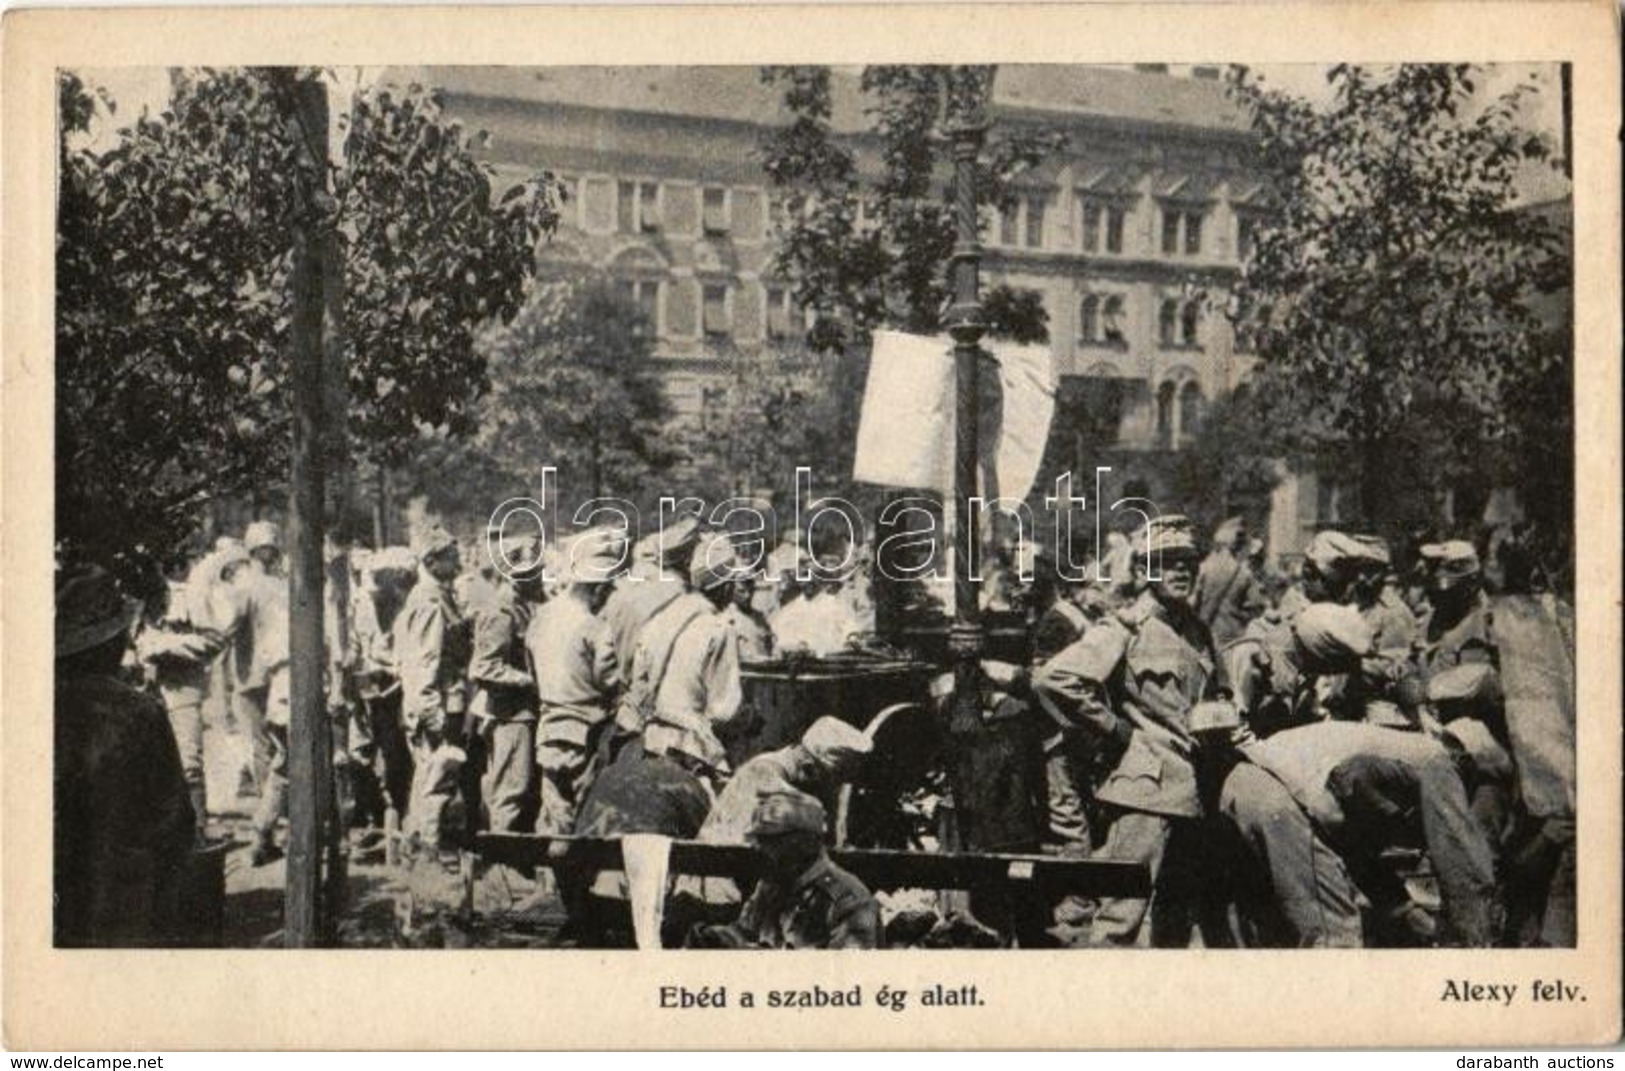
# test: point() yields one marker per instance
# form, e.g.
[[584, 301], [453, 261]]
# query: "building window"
[[1021, 222], [1167, 323], [781, 313], [643, 295], [1102, 226], [1035, 222], [1009, 223], [1111, 321], [715, 311], [1100, 320], [716, 211], [1190, 323], [638, 207], [1181, 231], [1089, 319]]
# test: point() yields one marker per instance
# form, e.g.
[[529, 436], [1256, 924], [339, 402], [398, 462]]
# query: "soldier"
[[572, 653], [180, 645], [386, 579], [1298, 892], [504, 705], [1227, 593], [258, 625], [686, 688], [124, 829], [827, 756], [819, 622], [431, 642], [1129, 685], [755, 635], [803, 900], [659, 576]]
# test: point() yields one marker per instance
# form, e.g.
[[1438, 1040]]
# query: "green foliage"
[[575, 387], [873, 253], [174, 251], [1396, 276]]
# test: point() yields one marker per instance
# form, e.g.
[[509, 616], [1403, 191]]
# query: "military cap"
[[1169, 534], [1331, 636], [433, 542], [262, 534], [671, 544], [1331, 550], [1471, 684], [715, 563], [1376, 549], [393, 560], [835, 744], [783, 812], [90, 610]]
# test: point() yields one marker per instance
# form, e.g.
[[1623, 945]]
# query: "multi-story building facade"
[[1131, 234]]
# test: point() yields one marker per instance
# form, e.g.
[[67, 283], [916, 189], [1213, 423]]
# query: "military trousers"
[[1380, 795], [274, 789], [1300, 893], [436, 772], [186, 721], [508, 780], [250, 706], [1066, 792]]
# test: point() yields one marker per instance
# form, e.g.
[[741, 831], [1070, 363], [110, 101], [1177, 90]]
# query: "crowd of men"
[[1296, 761]]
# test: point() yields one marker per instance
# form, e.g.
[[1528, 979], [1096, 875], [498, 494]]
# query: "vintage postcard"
[[906, 526]]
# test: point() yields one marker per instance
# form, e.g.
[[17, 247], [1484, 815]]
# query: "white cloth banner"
[[906, 430]]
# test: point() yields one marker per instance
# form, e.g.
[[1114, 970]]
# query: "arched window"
[[1190, 409], [1111, 328], [1089, 319]]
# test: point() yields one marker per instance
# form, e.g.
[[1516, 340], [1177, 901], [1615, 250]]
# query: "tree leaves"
[[1399, 267], [174, 250]]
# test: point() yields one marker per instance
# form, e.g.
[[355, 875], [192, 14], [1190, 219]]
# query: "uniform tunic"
[[825, 907], [573, 652], [504, 706], [1129, 686], [700, 693]]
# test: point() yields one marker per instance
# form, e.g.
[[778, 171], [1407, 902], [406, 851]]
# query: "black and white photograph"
[[1068, 518], [518, 507]]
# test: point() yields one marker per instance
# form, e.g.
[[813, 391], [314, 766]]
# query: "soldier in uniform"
[[181, 645], [572, 653], [257, 624], [1227, 594], [504, 705], [803, 900], [827, 756], [659, 576], [386, 579], [686, 687], [124, 829], [431, 642], [1129, 686]]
